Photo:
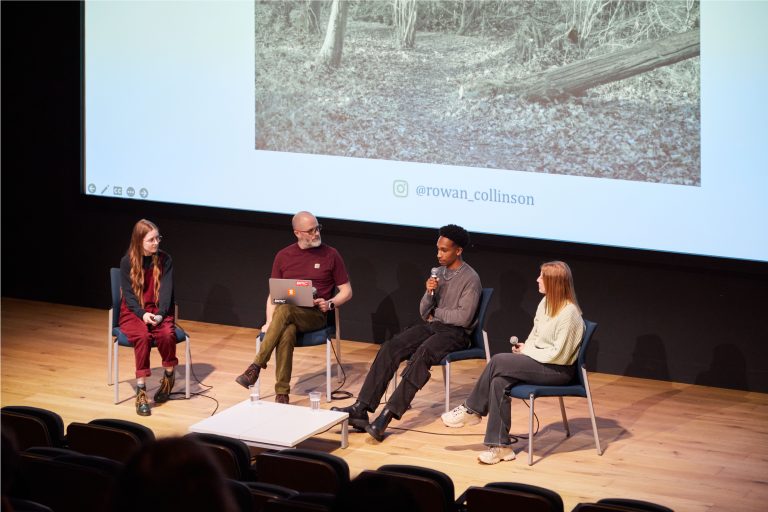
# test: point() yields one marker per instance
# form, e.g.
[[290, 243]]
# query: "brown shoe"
[[249, 376], [281, 398], [166, 386], [142, 402]]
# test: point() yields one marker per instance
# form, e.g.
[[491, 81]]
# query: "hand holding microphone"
[[433, 275], [515, 344]]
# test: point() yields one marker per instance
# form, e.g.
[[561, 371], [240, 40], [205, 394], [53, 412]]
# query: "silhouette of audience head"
[[172, 474]]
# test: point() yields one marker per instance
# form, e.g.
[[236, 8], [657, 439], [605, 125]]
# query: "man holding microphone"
[[447, 309]]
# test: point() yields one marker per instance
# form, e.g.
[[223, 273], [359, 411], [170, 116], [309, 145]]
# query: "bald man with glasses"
[[309, 259]]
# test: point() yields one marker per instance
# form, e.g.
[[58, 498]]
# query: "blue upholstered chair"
[[327, 335], [116, 338], [578, 387], [477, 350]]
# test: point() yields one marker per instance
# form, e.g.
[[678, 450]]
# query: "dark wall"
[[662, 316]]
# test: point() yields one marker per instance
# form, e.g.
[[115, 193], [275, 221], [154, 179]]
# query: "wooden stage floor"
[[691, 448]]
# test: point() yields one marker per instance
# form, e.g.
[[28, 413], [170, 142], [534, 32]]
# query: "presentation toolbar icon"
[[117, 190], [130, 191], [91, 188], [143, 193]]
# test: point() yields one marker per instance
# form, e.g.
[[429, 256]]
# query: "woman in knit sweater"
[[547, 357]]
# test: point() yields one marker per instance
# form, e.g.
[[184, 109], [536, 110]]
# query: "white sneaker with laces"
[[459, 417], [496, 454]]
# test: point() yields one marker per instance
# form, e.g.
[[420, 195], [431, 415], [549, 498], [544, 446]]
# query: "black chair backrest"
[[555, 500], [261, 492], [293, 505], [589, 331], [71, 482], [48, 452], [423, 494], [33, 426], [241, 494], [639, 505], [511, 496], [476, 337], [114, 286], [601, 507], [143, 432], [20, 505], [233, 455], [303, 473], [479, 499], [440, 478], [339, 465], [104, 441]]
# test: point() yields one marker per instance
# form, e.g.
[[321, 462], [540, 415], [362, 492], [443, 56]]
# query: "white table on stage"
[[272, 425]]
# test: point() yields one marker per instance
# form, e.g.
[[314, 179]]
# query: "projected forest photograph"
[[604, 89]]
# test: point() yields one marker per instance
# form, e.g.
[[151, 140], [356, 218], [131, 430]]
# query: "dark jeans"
[[487, 397], [425, 344]]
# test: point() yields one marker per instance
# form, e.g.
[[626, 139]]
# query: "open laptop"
[[298, 292]]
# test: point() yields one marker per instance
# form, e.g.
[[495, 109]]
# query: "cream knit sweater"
[[555, 340]]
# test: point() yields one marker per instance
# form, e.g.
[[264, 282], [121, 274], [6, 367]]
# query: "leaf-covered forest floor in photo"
[[407, 105]]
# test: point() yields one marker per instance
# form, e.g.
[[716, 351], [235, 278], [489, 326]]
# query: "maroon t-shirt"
[[323, 265]]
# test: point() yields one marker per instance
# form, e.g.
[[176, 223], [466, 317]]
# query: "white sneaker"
[[496, 454], [460, 416]]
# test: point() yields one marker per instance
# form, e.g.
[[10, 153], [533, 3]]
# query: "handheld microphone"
[[314, 292], [433, 275], [513, 340], [158, 318]]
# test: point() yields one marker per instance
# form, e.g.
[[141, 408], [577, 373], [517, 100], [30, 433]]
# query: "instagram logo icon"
[[400, 188]]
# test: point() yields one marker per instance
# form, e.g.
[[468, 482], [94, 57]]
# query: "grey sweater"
[[456, 299]]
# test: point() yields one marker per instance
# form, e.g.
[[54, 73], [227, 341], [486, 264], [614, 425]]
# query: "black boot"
[[166, 387], [358, 415], [379, 425], [142, 401]]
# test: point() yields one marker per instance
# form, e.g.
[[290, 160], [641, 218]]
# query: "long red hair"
[[136, 255], [558, 286]]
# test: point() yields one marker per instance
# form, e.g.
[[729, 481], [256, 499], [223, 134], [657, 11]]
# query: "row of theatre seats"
[[115, 464]]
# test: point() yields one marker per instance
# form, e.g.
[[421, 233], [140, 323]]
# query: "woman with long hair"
[[146, 314], [547, 357]]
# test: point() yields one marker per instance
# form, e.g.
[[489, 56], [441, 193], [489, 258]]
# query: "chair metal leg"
[[591, 412], [565, 418], [109, 349], [328, 371], [188, 360], [530, 431], [115, 373], [447, 381], [337, 314]]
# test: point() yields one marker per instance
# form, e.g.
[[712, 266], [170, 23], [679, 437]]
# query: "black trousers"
[[425, 344]]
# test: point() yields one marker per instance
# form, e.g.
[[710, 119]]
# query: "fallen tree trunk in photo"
[[573, 79]]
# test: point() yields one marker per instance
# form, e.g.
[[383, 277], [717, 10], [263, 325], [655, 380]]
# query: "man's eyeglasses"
[[157, 239], [312, 231]]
